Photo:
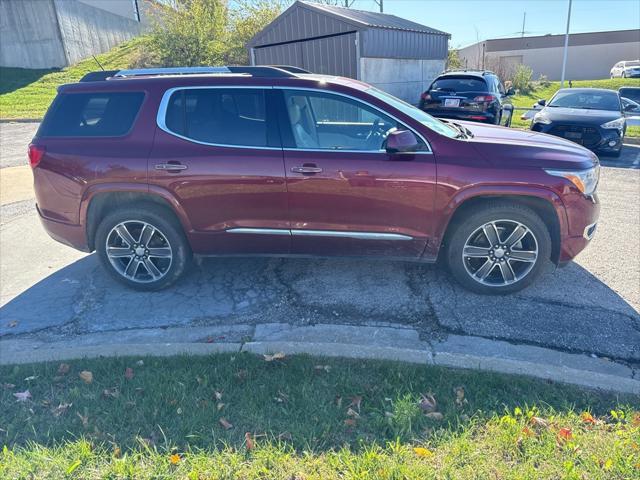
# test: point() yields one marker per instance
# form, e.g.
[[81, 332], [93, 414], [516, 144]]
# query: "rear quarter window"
[[100, 114]]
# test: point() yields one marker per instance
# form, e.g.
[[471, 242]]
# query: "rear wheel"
[[498, 248], [143, 247]]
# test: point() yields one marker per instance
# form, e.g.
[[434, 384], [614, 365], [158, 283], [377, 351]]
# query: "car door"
[[217, 152], [346, 194]]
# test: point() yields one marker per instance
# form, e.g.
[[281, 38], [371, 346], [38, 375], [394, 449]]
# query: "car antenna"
[[101, 67]]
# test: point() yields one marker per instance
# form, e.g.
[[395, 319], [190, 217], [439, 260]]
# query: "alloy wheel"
[[500, 252], [139, 251]]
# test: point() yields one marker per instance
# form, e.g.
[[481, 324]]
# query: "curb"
[[632, 141], [20, 120], [374, 342]]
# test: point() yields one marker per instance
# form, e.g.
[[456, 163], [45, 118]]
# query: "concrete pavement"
[[53, 295]]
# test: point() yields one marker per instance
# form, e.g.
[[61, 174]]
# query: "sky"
[[471, 20]]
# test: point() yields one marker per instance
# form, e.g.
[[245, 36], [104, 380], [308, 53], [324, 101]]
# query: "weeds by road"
[[242, 416]]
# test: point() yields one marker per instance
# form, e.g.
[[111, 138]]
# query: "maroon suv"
[[150, 167]]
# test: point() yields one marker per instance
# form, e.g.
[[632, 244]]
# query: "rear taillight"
[[425, 96], [35, 155], [484, 98]]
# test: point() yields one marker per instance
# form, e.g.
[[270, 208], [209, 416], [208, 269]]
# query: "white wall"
[[124, 8], [584, 62], [404, 78]]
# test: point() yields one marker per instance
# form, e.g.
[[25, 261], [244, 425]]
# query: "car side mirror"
[[510, 92], [401, 141], [630, 107], [542, 102]]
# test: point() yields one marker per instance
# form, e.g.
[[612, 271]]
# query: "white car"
[[626, 69]]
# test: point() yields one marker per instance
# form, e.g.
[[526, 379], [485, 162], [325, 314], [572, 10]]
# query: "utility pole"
[[524, 19], [566, 47]]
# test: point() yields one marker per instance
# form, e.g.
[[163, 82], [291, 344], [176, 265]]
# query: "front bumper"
[[582, 217], [71, 235], [594, 138]]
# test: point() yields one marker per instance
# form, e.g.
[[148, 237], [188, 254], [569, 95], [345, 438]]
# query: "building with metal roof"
[[590, 55], [393, 53]]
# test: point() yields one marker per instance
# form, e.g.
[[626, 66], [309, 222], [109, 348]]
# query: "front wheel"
[[143, 247], [498, 248]]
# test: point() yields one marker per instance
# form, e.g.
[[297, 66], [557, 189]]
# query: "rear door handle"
[[171, 166], [306, 169]]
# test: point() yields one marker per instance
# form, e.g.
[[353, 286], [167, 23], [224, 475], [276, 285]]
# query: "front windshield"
[[415, 113], [597, 100], [632, 64]]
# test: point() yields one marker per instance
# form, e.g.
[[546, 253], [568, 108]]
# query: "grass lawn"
[[547, 92], [26, 93], [241, 416]]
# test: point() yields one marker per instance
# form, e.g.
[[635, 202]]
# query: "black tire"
[[168, 236], [505, 215]]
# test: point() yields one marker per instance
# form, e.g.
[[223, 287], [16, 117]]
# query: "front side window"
[[222, 116], [109, 114], [333, 122]]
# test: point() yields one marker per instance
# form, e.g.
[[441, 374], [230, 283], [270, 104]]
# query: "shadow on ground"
[[15, 78], [567, 309]]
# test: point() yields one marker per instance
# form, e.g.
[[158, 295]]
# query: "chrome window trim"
[[259, 231], [162, 114], [321, 233], [330, 92]]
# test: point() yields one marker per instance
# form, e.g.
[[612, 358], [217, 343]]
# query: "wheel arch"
[[100, 202], [548, 207]]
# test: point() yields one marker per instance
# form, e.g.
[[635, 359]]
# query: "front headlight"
[[541, 118], [618, 124], [585, 180]]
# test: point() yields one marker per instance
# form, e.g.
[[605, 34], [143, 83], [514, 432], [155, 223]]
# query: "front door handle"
[[171, 166], [308, 169]]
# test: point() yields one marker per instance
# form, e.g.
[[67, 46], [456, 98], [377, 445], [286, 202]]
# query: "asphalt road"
[[48, 290]]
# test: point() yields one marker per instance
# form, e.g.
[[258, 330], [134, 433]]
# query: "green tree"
[[453, 60]]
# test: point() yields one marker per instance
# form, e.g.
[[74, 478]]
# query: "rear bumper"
[[71, 235]]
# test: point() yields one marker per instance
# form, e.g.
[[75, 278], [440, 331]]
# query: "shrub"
[[543, 81], [522, 79]]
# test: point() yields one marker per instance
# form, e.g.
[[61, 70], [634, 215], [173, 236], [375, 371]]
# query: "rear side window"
[[222, 116], [92, 114], [459, 84]]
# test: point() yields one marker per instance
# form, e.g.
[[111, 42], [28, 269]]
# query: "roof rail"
[[98, 76], [259, 71], [291, 69]]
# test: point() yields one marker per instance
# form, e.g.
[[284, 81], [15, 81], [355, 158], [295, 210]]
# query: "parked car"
[[149, 167], [626, 69], [466, 95], [632, 93], [592, 117], [631, 111]]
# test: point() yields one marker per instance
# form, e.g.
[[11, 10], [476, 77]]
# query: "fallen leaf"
[[248, 442], [225, 423], [61, 409], [459, 392], [564, 434], [275, 356], [351, 422], [217, 395], [86, 376], [282, 397], [174, 459], [63, 368], [22, 396], [428, 403], [539, 422], [636, 420], [179, 411], [8, 386], [356, 401], [84, 419], [338, 401], [352, 413], [31, 378], [117, 453], [128, 373], [219, 406], [241, 375], [322, 368], [112, 392], [587, 418], [422, 452], [437, 416], [527, 432]]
